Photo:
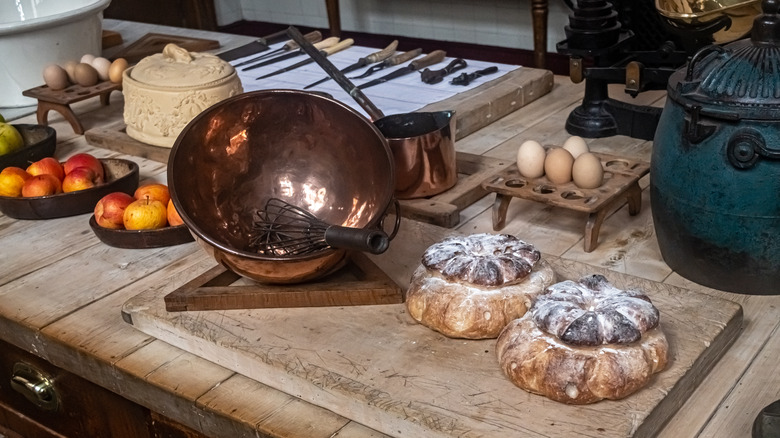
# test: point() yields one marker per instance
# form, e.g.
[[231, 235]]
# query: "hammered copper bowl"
[[307, 149]]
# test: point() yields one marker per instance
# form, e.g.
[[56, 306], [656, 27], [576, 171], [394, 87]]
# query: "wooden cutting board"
[[152, 43], [377, 366]]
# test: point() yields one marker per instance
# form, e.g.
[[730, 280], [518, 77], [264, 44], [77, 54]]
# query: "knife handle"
[[403, 57], [327, 42], [312, 37], [382, 54], [432, 58], [338, 47]]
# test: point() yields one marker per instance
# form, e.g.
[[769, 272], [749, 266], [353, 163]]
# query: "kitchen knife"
[[325, 52], [429, 59], [389, 62], [362, 62], [259, 45], [290, 45], [328, 42]]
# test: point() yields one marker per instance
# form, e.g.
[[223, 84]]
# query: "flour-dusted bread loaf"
[[472, 286], [584, 341]]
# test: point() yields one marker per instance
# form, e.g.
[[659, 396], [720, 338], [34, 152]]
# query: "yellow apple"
[[145, 214], [11, 181], [155, 191]]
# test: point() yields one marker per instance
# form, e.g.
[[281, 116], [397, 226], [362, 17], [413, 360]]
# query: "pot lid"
[[739, 80], [175, 67]]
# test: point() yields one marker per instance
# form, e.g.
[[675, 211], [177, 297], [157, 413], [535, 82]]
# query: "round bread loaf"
[[584, 341], [472, 286]]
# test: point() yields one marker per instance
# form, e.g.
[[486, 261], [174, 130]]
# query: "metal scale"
[[637, 43]]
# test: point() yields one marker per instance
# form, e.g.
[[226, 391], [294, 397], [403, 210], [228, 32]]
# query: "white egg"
[[102, 65], [576, 146], [587, 172], [530, 159], [87, 59]]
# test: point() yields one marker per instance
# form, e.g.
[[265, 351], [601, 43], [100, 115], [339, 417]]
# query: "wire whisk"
[[283, 229]]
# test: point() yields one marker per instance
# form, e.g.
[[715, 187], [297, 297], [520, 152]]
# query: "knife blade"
[[362, 62], [325, 52], [328, 42], [259, 45], [290, 45], [389, 62], [432, 58], [466, 78]]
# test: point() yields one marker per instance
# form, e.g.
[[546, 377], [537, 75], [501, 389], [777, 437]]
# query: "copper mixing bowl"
[[307, 149], [699, 13]]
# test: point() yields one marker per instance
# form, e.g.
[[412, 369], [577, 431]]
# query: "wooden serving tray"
[[152, 43], [621, 185], [377, 366]]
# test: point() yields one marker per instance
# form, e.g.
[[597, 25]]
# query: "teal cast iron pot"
[[715, 167]]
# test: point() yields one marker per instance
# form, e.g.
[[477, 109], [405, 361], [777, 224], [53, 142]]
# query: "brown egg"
[[557, 165], [116, 69], [85, 74], [70, 68], [55, 77], [587, 172]]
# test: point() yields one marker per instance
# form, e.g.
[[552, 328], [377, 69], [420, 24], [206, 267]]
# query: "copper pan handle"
[[336, 74]]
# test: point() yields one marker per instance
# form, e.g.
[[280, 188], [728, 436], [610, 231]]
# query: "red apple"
[[145, 214], [48, 165], [79, 178], [41, 185], [110, 210], [173, 216], [11, 181], [85, 160], [154, 191]]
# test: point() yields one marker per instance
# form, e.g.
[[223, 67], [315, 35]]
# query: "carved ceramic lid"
[[175, 67], [739, 80]]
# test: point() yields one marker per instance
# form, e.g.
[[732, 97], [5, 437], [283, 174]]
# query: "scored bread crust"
[[460, 309], [541, 364]]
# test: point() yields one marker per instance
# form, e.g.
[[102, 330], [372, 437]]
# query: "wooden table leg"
[[539, 11], [500, 206], [634, 198], [42, 113], [334, 17]]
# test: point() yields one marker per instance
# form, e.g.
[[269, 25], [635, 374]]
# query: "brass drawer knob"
[[35, 386]]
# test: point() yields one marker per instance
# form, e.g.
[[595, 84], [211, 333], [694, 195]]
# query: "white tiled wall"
[[501, 23]]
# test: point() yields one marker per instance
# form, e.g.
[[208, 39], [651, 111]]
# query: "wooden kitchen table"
[[62, 292]]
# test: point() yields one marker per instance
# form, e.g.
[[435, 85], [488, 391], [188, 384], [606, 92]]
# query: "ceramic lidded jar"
[[715, 167], [164, 91]]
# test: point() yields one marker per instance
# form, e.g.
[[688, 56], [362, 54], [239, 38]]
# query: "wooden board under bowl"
[[377, 366], [152, 43]]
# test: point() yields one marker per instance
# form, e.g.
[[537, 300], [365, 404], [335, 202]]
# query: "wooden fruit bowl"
[[121, 176], [140, 239], [39, 142]]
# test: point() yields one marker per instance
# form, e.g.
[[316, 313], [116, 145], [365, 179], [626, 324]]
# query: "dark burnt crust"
[[592, 312], [482, 259]]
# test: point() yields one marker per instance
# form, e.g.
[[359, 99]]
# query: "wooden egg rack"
[[60, 100], [621, 185]]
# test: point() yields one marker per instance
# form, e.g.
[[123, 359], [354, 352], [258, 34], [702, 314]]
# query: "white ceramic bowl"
[[34, 33]]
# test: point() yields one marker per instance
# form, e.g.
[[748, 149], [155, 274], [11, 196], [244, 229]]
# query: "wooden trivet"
[[358, 283], [152, 43], [60, 100], [621, 185]]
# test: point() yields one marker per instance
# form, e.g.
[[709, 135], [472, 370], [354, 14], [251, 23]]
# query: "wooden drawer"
[[68, 405]]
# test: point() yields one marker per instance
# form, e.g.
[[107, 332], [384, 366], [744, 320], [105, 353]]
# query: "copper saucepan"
[[422, 143]]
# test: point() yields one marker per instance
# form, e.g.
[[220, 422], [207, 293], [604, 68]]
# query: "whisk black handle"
[[361, 239]]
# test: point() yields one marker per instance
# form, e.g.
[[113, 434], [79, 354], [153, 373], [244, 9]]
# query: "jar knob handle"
[[178, 54]]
